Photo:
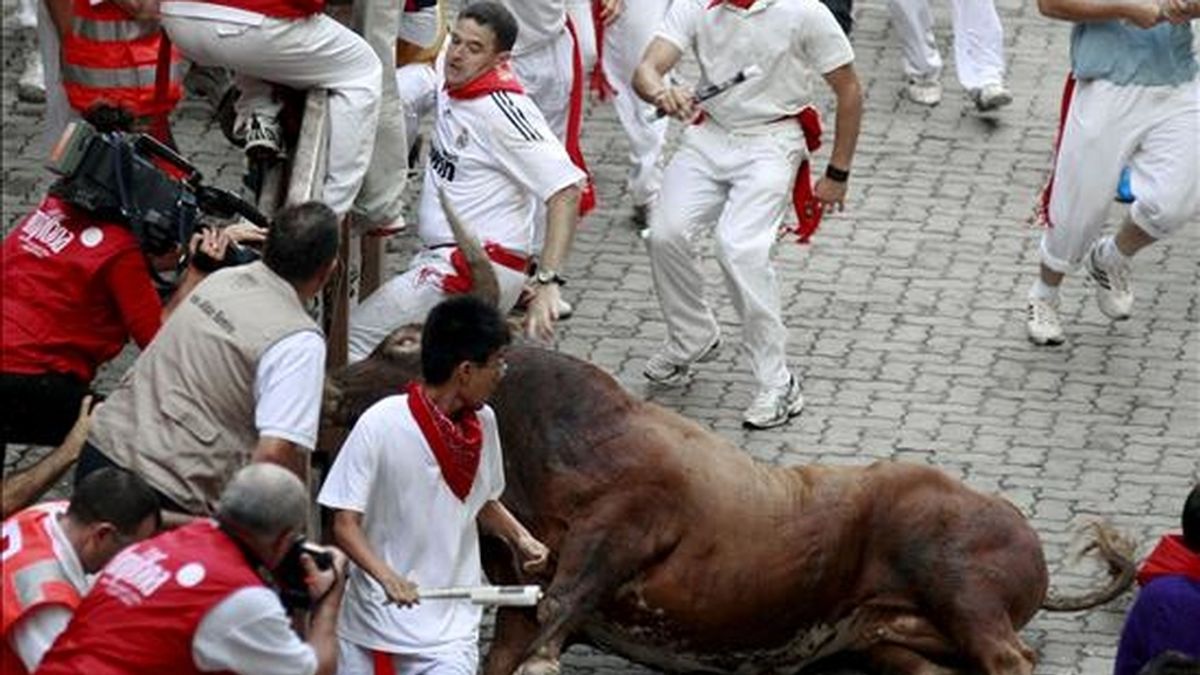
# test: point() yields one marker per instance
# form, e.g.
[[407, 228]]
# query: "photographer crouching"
[[194, 598], [79, 272]]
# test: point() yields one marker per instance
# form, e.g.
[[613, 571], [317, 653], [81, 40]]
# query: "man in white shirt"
[[49, 549], [736, 167], [417, 475], [193, 599], [495, 160]]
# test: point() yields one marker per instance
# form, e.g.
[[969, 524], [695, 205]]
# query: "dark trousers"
[[39, 409], [91, 460]]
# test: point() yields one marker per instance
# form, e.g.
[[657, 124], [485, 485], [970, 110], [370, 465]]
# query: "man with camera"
[[234, 376], [194, 598], [78, 279], [50, 550]]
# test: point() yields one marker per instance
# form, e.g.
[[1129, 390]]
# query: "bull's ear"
[[484, 284], [402, 343]]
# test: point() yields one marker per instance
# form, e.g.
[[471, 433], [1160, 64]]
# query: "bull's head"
[[396, 361]]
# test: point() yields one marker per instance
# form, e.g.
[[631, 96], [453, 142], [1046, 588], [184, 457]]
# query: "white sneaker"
[[264, 138], [924, 90], [665, 371], [31, 87], [1042, 323], [1114, 291], [773, 407], [990, 97]]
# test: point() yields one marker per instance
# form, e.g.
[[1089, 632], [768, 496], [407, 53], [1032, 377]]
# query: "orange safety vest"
[[31, 575], [110, 57]]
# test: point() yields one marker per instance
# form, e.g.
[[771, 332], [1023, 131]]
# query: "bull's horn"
[[485, 284]]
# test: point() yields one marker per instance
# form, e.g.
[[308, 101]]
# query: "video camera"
[[135, 180], [289, 574]]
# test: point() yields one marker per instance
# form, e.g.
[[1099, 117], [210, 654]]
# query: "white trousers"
[[625, 40], [380, 200], [461, 659], [407, 299], [417, 85], [59, 112], [1153, 130], [743, 183], [978, 40], [315, 51], [547, 72], [581, 15]]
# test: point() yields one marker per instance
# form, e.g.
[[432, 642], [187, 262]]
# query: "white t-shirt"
[[288, 384], [538, 22], [32, 636], [248, 633], [497, 160], [786, 38], [387, 471]]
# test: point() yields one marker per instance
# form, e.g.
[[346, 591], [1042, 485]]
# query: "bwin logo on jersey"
[[442, 164]]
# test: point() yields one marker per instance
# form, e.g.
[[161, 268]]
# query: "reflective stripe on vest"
[[112, 31], [115, 78], [30, 581]]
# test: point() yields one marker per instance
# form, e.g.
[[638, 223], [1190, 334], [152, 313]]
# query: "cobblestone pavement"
[[905, 315]]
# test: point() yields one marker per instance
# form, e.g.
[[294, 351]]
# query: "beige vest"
[[183, 416]]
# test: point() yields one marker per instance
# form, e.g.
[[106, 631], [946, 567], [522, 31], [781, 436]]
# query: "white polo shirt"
[[786, 38], [387, 471], [497, 159], [538, 22]]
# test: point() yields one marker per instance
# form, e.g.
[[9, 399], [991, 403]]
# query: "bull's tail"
[[1117, 551]]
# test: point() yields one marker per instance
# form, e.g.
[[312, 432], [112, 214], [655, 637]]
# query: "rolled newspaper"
[[499, 596]]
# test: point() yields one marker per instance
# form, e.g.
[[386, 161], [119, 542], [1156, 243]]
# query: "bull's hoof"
[[539, 665]]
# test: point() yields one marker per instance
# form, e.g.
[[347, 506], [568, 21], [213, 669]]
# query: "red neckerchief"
[[1170, 558], [740, 4], [500, 78], [455, 444]]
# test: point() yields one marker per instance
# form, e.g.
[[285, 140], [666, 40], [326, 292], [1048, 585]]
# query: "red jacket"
[[75, 291], [143, 612], [32, 576], [108, 56]]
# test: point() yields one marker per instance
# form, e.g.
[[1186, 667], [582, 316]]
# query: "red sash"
[[456, 446], [462, 280], [587, 201], [1041, 212], [598, 82]]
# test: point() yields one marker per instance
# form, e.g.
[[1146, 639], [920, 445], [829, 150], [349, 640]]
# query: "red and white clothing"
[[542, 57], [736, 169], [389, 471], [290, 42], [978, 41], [75, 291], [497, 161], [43, 582], [185, 601], [625, 40]]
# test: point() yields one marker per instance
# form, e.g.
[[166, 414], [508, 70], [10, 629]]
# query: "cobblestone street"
[[906, 316]]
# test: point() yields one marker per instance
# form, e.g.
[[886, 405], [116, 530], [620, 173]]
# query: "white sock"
[[1110, 255], [1043, 291]]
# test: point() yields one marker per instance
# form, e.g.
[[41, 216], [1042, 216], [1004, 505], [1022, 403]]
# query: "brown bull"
[[676, 550]]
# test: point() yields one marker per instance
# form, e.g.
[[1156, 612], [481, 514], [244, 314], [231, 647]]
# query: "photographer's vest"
[[144, 609], [110, 57], [33, 578], [183, 416]]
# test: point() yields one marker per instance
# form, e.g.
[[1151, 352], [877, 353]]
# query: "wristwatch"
[[545, 276]]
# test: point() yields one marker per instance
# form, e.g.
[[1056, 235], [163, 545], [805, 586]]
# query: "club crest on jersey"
[[463, 139]]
